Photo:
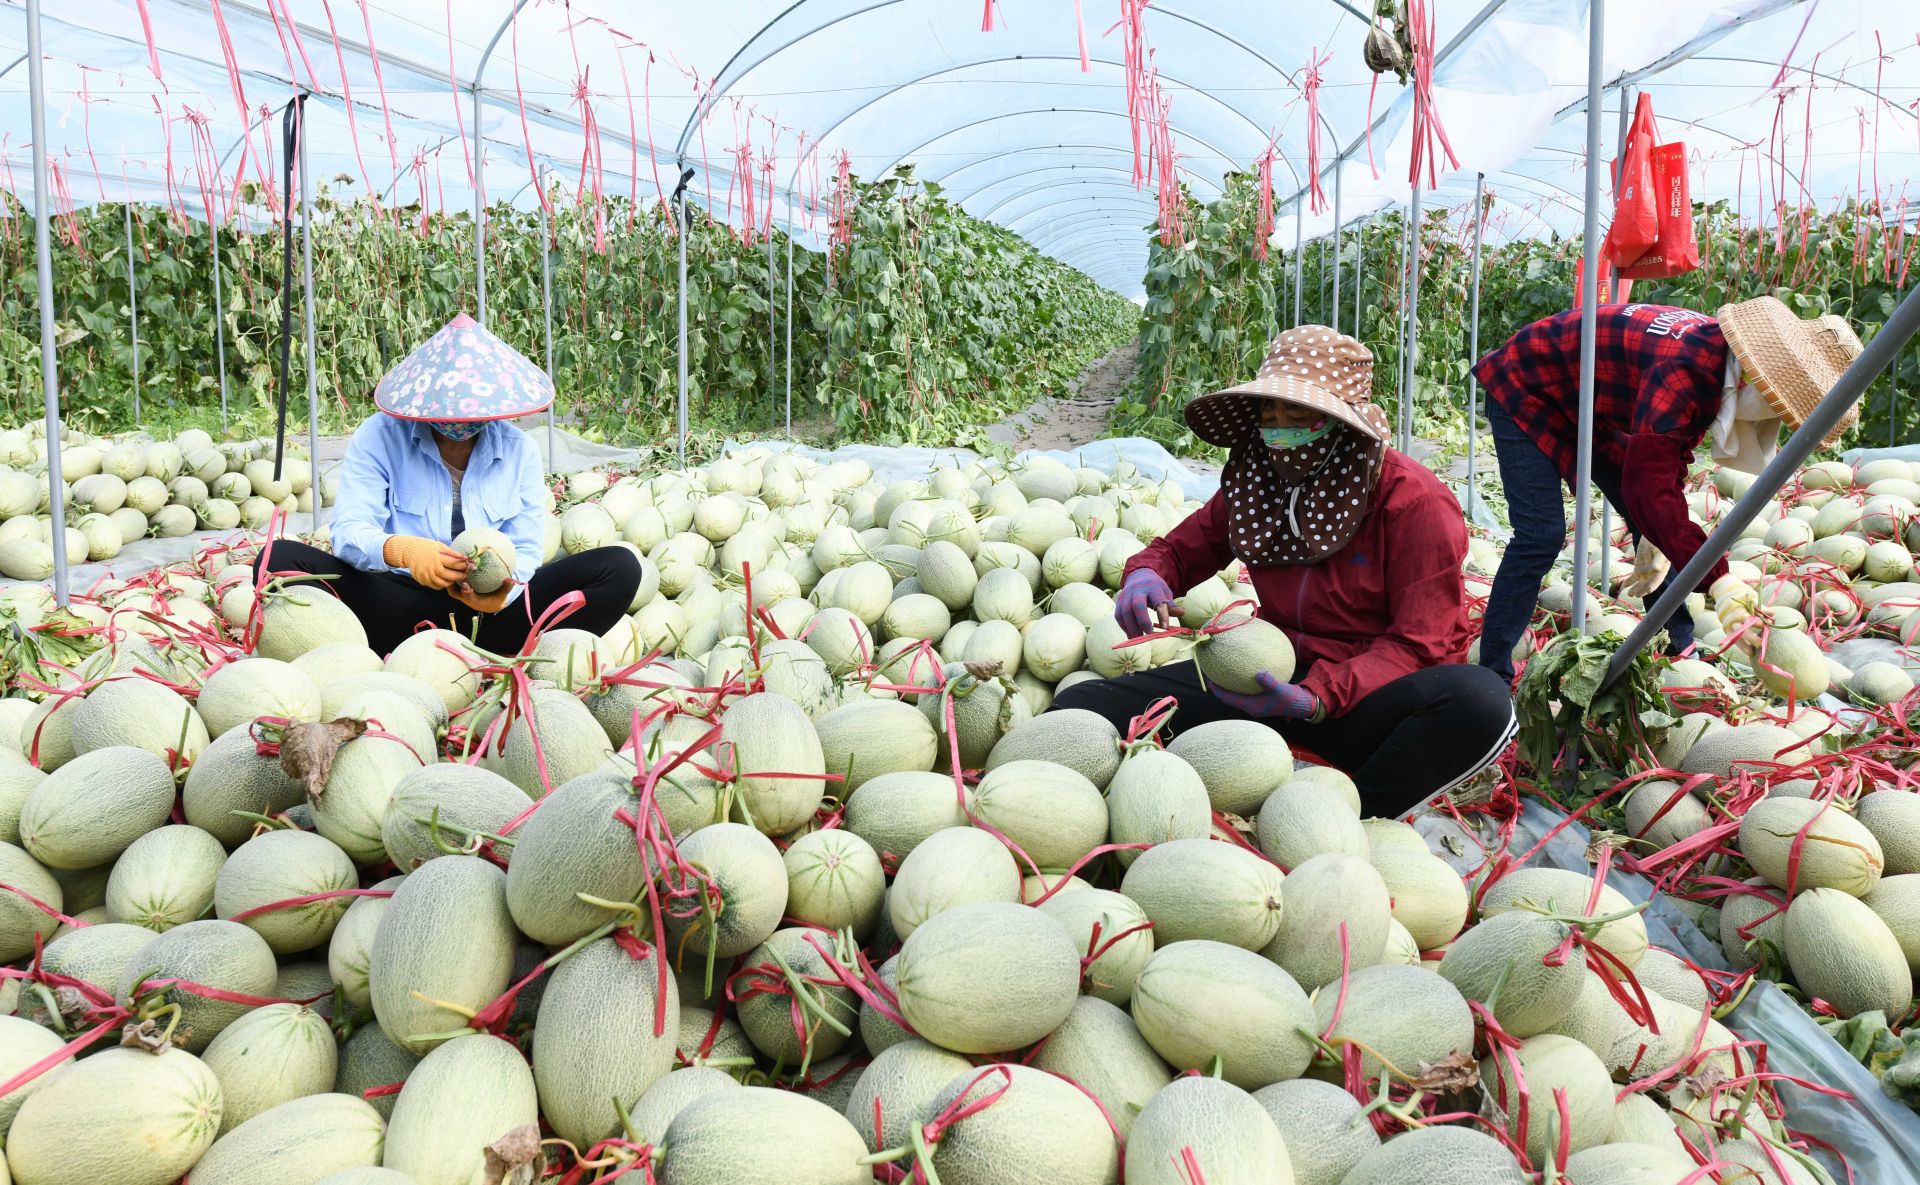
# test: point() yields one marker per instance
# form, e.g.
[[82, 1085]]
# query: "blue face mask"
[[1285, 438], [458, 430]]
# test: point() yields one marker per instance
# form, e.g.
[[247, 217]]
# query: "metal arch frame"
[[958, 128], [895, 89], [1102, 184], [1042, 239], [480, 166], [715, 92], [1843, 81], [1108, 217], [989, 156], [1024, 214], [4, 70], [1017, 177]]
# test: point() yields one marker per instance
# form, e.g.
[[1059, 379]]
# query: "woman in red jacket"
[[1355, 551]]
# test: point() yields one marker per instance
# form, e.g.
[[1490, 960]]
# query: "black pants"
[[1419, 735], [391, 606], [1539, 516]]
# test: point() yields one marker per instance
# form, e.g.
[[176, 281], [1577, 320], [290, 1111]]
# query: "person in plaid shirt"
[[1663, 378]]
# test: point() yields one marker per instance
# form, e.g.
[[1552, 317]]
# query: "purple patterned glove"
[[1140, 595], [1281, 701]]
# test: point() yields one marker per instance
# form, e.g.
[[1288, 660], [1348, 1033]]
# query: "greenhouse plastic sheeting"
[[612, 98], [906, 463], [1879, 1136]]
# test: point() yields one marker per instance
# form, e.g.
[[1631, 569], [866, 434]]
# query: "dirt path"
[[1081, 417]]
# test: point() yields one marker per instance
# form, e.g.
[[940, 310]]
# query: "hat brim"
[[490, 416], [1228, 417], [1783, 360]]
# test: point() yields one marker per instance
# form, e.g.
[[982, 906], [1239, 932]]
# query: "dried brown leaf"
[[307, 750], [514, 1158]]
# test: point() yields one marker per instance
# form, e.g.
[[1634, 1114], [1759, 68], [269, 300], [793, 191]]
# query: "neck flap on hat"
[[1298, 506]]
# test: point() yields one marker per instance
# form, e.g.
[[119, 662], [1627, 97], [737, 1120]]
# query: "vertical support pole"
[[1410, 345], [683, 226], [789, 314], [133, 311], [1605, 584], [1893, 401], [479, 212], [1337, 170], [1589, 310], [1359, 273], [219, 318], [1473, 342], [43, 269], [1299, 271], [306, 284], [773, 326], [546, 307]]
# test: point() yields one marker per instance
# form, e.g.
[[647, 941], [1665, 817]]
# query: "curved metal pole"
[[1044, 237], [480, 167], [1589, 312], [306, 282], [989, 155], [1626, 98], [1881, 352], [1013, 223], [546, 307], [997, 154], [8, 68], [1299, 273], [727, 72], [219, 318], [1473, 343], [1410, 346], [1037, 185], [896, 88], [683, 226], [1101, 184], [133, 310], [43, 270]]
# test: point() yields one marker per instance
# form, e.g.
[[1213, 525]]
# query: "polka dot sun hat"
[[1311, 366], [464, 374]]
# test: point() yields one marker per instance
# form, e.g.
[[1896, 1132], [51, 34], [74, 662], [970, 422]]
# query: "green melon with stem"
[[1198, 1000], [987, 976], [1204, 1123], [1040, 1129], [492, 554]]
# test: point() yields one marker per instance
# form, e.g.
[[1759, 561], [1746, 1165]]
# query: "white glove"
[[1649, 569]]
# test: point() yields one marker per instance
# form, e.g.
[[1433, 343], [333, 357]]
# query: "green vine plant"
[[928, 324]]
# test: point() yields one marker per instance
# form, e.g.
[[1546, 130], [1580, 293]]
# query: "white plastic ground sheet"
[[907, 463]]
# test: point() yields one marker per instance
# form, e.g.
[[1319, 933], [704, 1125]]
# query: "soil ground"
[[1081, 417]]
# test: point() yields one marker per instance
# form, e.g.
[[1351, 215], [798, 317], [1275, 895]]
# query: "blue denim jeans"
[[1538, 514]]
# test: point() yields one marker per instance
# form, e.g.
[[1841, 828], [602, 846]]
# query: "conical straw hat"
[[1794, 363], [463, 374]]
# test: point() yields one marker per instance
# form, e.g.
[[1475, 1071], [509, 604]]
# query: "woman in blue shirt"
[[438, 458]]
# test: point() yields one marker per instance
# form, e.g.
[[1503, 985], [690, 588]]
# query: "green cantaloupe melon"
[[1240, 762], [1657, 813], [1666, 973], [1197, 1000], [1842, 952], [1209, 1124], [668, 1096], [451, 798], [1637, 1119], [284, 865], [1326, 895], [1154, 797], [1054, 815], [1040, 1129], [1550, 1063], [23, 1043], [231, 776], [219, 954], [1439, 1156], [1556, 890], [765, 1007], [1207, 889], [123, 1116], [445, 938], [1112, 924], [1835, 851], [1631, 1164], [297, 1143], [269, 1056], [594, 1044], [987, 976], [862, 741], [165, 878], [897, 1089], [92, 808], [794, 1140], [1407, 1015], [369, 1059], [766, 734], [20, 921], [137, 712], [574, 844], [1893, 818], [1429, 899], [745, 867], [351, 947], [1303, 819], [1083, 741], [952, 867], [1755, 746], [1501, 962], [1244, 646], [834, 881], [1896, 899], [1098, 1047], [1761, 914], [1321, 1126], [463, 1096]]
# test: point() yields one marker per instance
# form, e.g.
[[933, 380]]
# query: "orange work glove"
[[492, 602], [432, 564]]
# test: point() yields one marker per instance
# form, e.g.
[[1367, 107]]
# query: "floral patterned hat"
[[464, 374]]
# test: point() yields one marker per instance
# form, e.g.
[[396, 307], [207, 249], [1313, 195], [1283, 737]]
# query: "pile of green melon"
[[758, 930], [117, 491]]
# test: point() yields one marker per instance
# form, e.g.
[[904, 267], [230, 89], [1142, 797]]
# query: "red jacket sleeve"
[[1191, 552], [1426, 542], [1652, 484]]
